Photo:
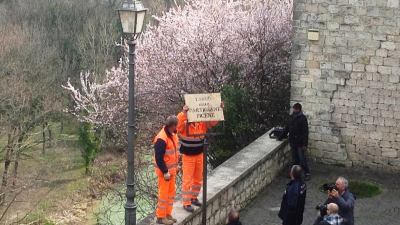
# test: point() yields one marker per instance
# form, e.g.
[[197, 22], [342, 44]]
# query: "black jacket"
[[298, 130], [293, 201], [346, 206]]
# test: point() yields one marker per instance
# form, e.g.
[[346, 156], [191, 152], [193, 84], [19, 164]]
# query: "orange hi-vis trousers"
[[166, 195], [192, 169]]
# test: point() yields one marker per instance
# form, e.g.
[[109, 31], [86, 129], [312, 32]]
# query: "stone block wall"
[[237, 181], [348, 80]]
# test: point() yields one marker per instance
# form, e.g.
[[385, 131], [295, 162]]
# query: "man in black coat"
[[298, 138], [233, 217], [294, 199]]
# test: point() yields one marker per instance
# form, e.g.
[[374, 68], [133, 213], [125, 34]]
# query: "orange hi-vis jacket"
[[171, 155], [191, 135]]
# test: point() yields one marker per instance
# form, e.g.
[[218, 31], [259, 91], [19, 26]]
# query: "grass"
[[38, 216], [364, 189]]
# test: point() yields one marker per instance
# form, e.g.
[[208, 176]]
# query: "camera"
[[323, 209], [278, 133], [329, 187]]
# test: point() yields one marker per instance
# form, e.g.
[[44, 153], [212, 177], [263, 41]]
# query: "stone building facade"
[[345, 72]]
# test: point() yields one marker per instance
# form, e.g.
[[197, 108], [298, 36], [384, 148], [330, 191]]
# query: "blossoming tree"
[[191, 50]]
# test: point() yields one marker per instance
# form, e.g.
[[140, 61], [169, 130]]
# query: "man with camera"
[[294, 199], [332, 215], [339, 194]]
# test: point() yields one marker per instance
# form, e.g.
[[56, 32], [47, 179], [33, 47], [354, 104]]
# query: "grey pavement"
[[383, 209]]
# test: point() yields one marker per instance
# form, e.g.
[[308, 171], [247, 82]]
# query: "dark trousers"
[[299, 158]]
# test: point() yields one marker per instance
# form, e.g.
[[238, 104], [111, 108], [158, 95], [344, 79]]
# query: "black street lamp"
[[131, 14]]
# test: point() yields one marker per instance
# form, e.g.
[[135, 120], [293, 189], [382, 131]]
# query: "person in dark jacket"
[[233, 217], [294, 199], [344, 199], [298, 138]]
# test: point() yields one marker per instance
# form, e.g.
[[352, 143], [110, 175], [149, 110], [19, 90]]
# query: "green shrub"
[[90, 145], [239, 131]]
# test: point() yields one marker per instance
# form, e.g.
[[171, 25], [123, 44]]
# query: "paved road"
[[383, 209]]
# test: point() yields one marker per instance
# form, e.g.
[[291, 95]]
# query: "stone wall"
[[237, 181], [348, 79]]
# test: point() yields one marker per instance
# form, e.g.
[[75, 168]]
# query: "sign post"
[[204, 108]]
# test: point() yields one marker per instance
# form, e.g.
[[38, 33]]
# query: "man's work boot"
[[196, 202], [164, 221], [172, 218], [188, 208]]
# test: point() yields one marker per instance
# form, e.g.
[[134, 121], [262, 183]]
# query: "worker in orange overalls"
[[166, 162], [192, 157]]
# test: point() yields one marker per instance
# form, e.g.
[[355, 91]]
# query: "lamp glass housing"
[[132, 15]]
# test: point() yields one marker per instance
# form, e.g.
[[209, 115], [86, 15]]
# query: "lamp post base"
[[130, 214]]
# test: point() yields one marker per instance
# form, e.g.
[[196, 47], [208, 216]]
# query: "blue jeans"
[[299, 158]]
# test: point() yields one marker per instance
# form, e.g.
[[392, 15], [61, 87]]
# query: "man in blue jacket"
[[344, 199], [294, 199]]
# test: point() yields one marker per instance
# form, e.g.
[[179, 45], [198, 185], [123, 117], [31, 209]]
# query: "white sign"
[[204, 107]]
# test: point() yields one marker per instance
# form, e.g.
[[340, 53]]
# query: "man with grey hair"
[[332, 217], [342, 197]]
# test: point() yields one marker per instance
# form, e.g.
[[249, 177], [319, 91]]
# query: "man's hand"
[[179, 163], [335, 193], [185, 109], [330, 196], [222, 104], [167, 176], [179, 169]]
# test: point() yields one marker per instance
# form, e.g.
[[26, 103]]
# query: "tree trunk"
[[50, 134], [7, 161], [44, 138], [87, 170], [16, 159], [16, 163]]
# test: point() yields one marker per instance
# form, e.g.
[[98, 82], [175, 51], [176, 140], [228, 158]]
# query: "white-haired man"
[[344, 199]]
